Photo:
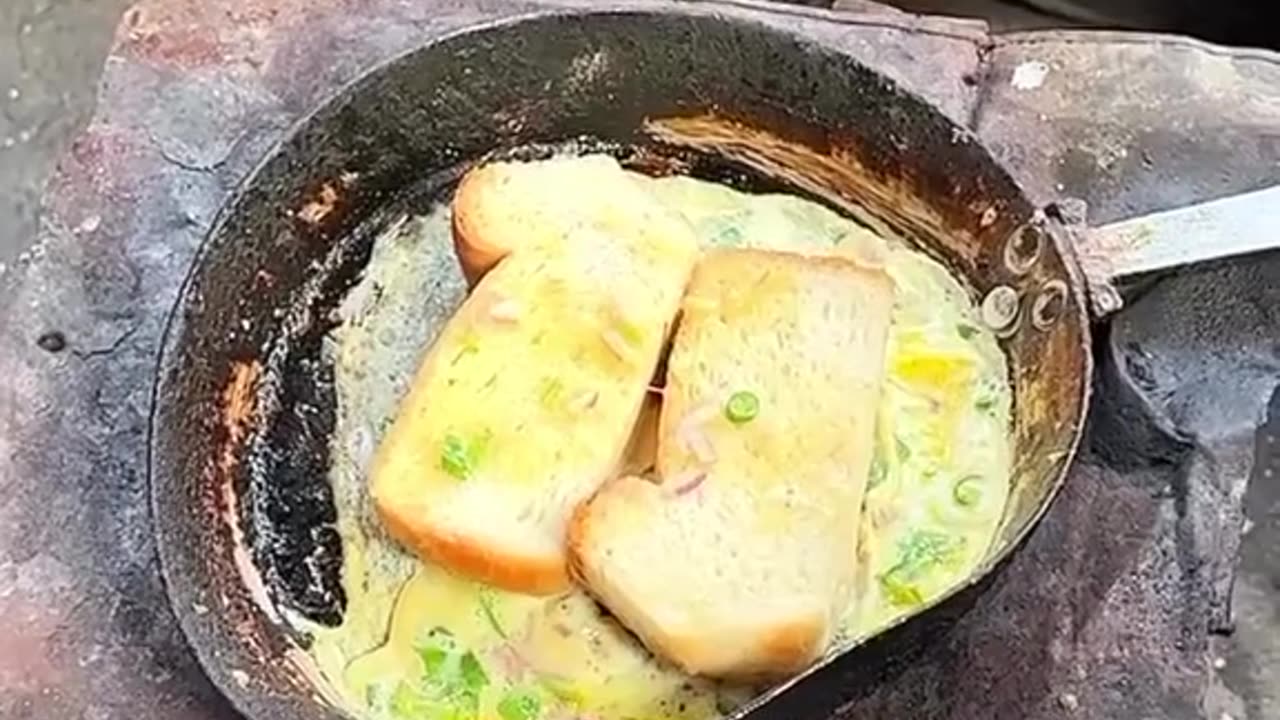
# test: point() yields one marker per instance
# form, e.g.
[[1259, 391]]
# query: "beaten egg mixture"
[[457, 650]]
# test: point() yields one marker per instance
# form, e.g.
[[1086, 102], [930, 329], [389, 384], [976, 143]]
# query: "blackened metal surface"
[[296, 540], [89, 631]]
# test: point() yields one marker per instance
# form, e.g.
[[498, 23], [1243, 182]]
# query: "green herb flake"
[[454, 458], [985, 404], [519, 705], [435, 650], [474, 677], [742, 407], [928, 547], [921, 551], [900, 591], [552, 392], [408, 703], [470, 345], [434, 659], [631, 332], [902, 449], [459, 457], [968, 491], [966, 331]]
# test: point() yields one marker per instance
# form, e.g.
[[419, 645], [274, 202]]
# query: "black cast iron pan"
[[244, 400]]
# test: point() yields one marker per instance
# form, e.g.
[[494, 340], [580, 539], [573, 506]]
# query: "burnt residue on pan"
[[288, 500], [287, 507]]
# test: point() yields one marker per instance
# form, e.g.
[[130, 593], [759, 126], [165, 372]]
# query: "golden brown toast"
[[739, 561], [526, 402]]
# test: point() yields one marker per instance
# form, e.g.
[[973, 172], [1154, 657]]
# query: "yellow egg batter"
[[417, 642]]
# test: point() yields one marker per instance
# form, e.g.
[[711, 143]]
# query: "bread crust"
[[478, 252], [506, 569]]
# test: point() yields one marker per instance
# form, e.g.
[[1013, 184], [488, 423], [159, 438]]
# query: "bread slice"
[[527, 400], [738, 562], [501, 206], [495, 206]]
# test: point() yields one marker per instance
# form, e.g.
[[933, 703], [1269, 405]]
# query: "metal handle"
[[1234, 225]]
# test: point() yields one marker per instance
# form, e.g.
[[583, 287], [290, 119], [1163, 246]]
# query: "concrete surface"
[[1249, 661], [51, 54], [1001, 15]]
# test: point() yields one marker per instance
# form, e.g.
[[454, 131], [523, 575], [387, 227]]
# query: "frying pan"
[[244, 399]]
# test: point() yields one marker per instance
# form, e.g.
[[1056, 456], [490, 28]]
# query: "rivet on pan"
[[1000, 309], [1048, 305], [1022, 249]]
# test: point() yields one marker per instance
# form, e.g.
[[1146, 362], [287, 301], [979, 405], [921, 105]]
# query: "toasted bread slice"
[[502, 206], [527, 400], [738, 562], [496, 206]]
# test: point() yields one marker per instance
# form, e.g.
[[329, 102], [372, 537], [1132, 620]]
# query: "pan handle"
[[1222, 228]]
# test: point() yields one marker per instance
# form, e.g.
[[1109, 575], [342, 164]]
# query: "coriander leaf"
[[552, 391], [454, 458], [631, 332], [473, 675], [433, 659], [435, 650], [899, 590], [966, 331], [903, 450], [459, 457], [923, 548], [921, 551], [519, 705]]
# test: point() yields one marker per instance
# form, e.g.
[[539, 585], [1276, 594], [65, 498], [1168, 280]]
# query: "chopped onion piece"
[[505, 311], [617, 344], [688, 481]]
